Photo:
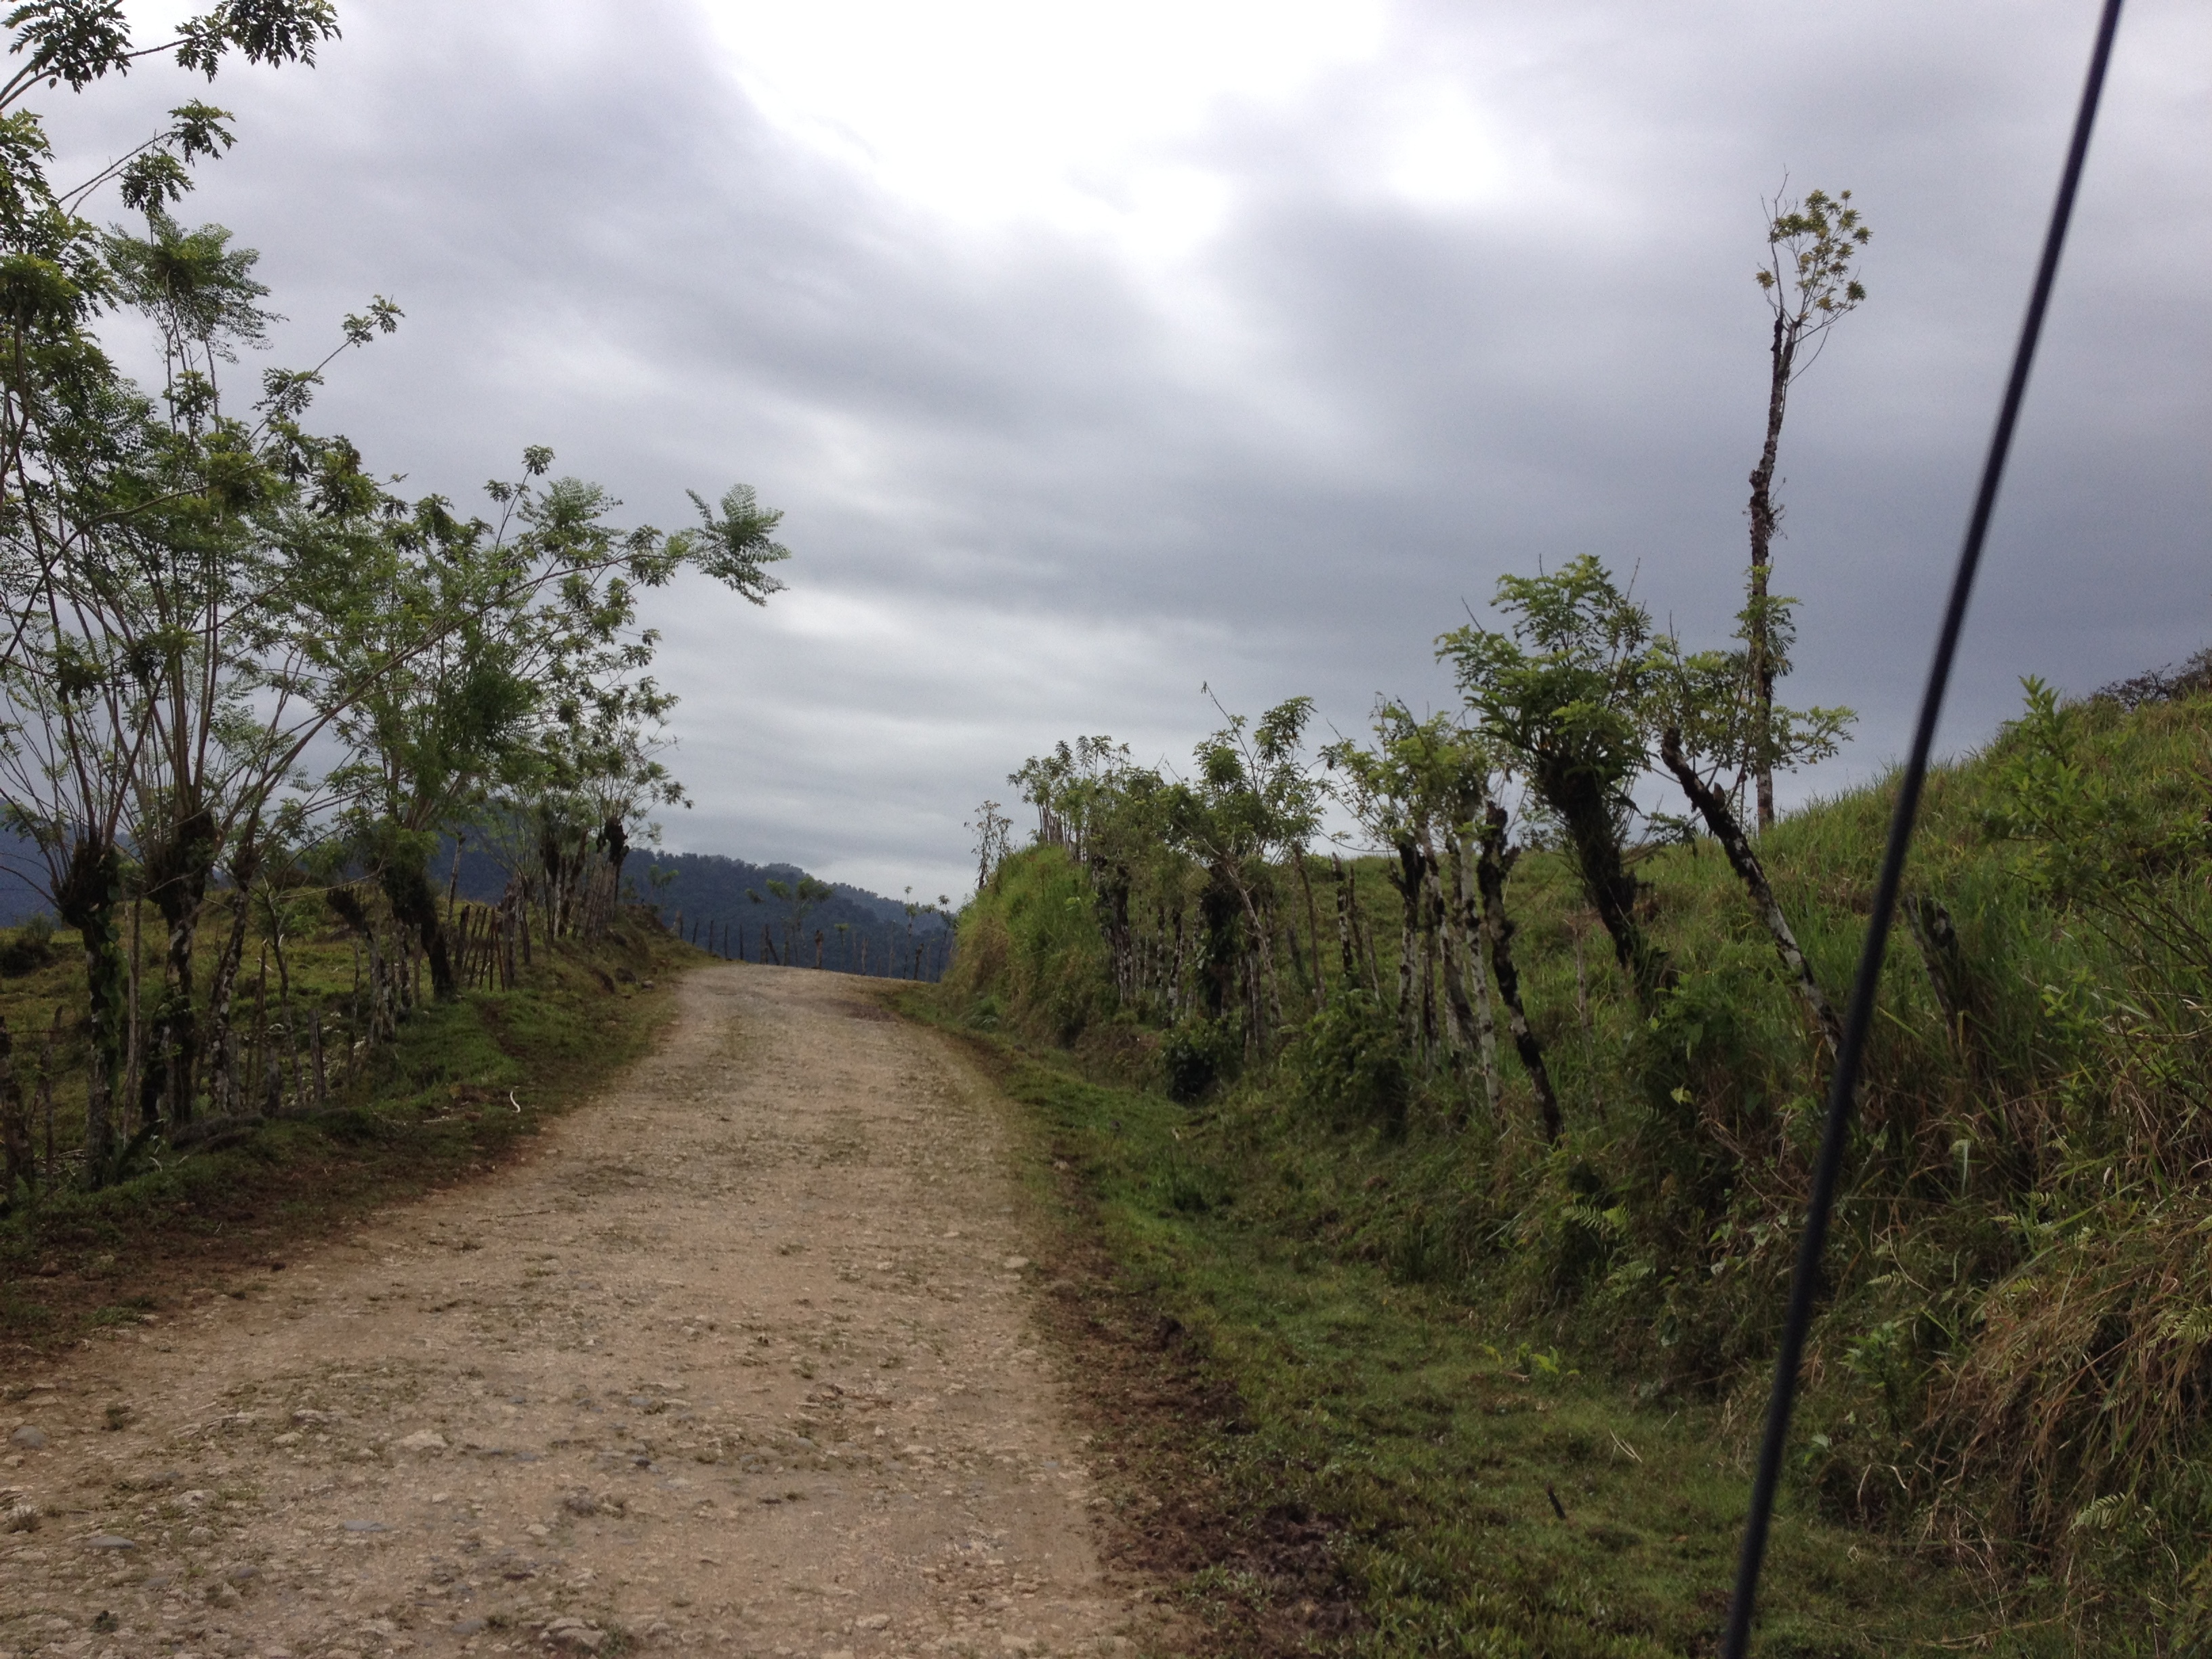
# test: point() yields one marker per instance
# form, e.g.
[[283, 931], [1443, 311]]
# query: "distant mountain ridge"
[[702, 891], [713, 888]]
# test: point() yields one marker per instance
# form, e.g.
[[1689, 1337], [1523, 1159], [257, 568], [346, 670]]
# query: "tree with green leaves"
[[801, 899], [1562, 692], [259, 523], [1250, 802], [86, 466], [61, 397], [197, 591], [1391, 792], [1419, 792], [1810, 279], [993, 840], [1065, 785], [1710, 726], [505, 680]]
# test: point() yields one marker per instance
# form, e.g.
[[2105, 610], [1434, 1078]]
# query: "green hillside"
[[1430, 1313]]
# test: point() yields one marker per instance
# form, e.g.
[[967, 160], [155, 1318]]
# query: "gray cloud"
[[1035, 489]]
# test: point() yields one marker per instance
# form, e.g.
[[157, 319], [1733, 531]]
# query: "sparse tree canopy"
[[225, 647], [1811, 283]]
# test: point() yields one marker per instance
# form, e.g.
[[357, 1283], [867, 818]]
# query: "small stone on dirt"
[[873, 1621], [1015, 1263], [574, 1634], [365, 1526], [108, 1540], [423, 1440], [28, 1438]]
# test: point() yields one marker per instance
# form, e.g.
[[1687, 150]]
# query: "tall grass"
[[2013, 1367]]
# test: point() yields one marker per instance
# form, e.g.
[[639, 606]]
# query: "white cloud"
[[1098, 351], [1077, 116]]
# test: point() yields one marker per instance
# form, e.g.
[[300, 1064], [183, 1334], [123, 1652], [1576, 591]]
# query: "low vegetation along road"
[[739, 1358]]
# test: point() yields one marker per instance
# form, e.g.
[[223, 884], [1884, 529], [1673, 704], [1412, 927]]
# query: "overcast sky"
[[1097, 352]]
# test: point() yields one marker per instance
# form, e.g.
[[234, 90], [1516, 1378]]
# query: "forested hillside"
[[1561, 1072], [774, 912], [727, 903]]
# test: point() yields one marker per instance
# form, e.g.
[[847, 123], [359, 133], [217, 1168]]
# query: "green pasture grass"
[[463, 1087], [1429, 1435]]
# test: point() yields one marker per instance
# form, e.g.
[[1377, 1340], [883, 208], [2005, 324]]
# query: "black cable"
[[1843, 1087]]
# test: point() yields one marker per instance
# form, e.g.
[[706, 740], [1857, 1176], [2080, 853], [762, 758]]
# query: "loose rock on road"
[[738, 1359]]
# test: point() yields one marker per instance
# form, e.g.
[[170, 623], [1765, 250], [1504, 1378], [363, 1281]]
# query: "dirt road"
[[739, 1359]]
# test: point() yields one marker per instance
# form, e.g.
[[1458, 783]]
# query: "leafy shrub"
[[1348, 1064], [30, 948], [1031, 940], [1195, 1054]]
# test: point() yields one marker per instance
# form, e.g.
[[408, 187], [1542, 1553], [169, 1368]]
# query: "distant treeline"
[[736, 909], [702, 894]]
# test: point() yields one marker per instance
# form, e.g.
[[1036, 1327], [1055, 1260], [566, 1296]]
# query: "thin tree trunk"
[[1313, 928], [178, 866], [1459, 1019], [277, 943], [1467, 897], [1713, 807], [1428, 995], [134, 1051], [292, 1044], [1407, 881], [21, 1157], [1937, 936], [1344, 940], [46, 1088], [1611, 888], [222, 989], [1264, 983], [86, 902], [1764, 518], [1495, 863], [1582, 986], [1298, 970], [261, 1056], [1374, 962]]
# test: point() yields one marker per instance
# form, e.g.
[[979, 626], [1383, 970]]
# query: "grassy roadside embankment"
[[1323, 1458], [1430, 1305], [458, 1091]]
